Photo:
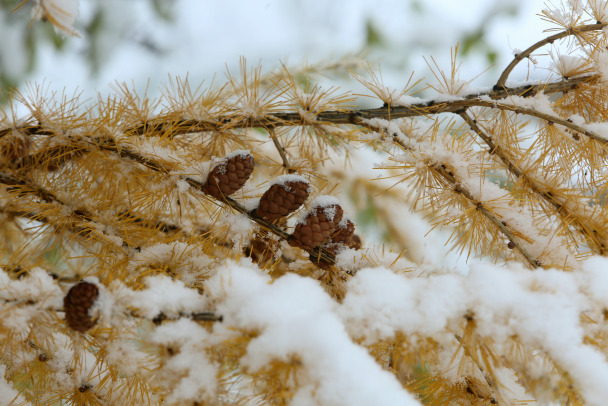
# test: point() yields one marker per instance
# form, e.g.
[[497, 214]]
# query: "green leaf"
[[373, 36]]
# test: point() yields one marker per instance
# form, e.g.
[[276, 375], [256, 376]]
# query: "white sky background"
[[207, 36]]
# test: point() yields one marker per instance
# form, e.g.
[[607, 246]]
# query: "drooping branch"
[[450, 178], [134, 156], [488, 214], [561, 208]]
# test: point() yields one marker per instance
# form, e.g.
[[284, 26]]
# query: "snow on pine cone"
[[317, 226], [284, 197], [229, 175], [77, 303]]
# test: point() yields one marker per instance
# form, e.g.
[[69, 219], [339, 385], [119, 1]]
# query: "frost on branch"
[[263, 242]]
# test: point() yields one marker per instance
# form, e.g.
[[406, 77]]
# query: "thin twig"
[[65, 153], [500, 84], [551, 119], [23, 188], [280, 148], [467, 352], [204, 316], [125, 152], [459, 188]]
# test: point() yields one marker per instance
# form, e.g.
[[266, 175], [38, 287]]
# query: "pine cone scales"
[[345, 235], [230, 175], [283, 198], [317, 226], [77, 303]]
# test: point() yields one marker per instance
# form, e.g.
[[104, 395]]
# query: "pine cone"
[[356, 242], [317, 226], [262, 250], [77, 303], [344, 232], [284, 197], [229, 175], [343, 236]]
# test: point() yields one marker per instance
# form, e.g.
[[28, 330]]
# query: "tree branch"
[[560, 208], [450, 178], [500, 84], [158, 127], [281, 149]]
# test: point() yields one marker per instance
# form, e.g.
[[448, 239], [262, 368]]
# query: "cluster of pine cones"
[[323, 226]]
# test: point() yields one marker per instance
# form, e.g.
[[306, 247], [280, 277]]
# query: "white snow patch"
[[296, 318]]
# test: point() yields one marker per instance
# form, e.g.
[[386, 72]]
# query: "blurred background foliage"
[[154, 31]]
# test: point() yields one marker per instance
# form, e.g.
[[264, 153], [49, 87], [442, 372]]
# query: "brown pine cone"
[[262, 250], [76, 305], [284, 197], [344, 232], [343, 236], [356, 242], [317, 226], [229, 175]]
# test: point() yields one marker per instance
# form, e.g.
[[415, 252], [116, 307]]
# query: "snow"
[[379, 303], [8, 394], [161, 294], [220, 162], [189, 375], [237, 227], [600, 129], [568, 65], [328, 202], [296, 318], [238, 153], [542, 308], [282, 180], [539, 102], [126, 358]]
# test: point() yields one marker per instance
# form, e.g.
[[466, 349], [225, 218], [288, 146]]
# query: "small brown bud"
[[317, 226], [77, 303], [229, 175], [511, 245], [284, 197]]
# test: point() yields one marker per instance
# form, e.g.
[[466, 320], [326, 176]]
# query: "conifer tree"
[[203, 247]]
